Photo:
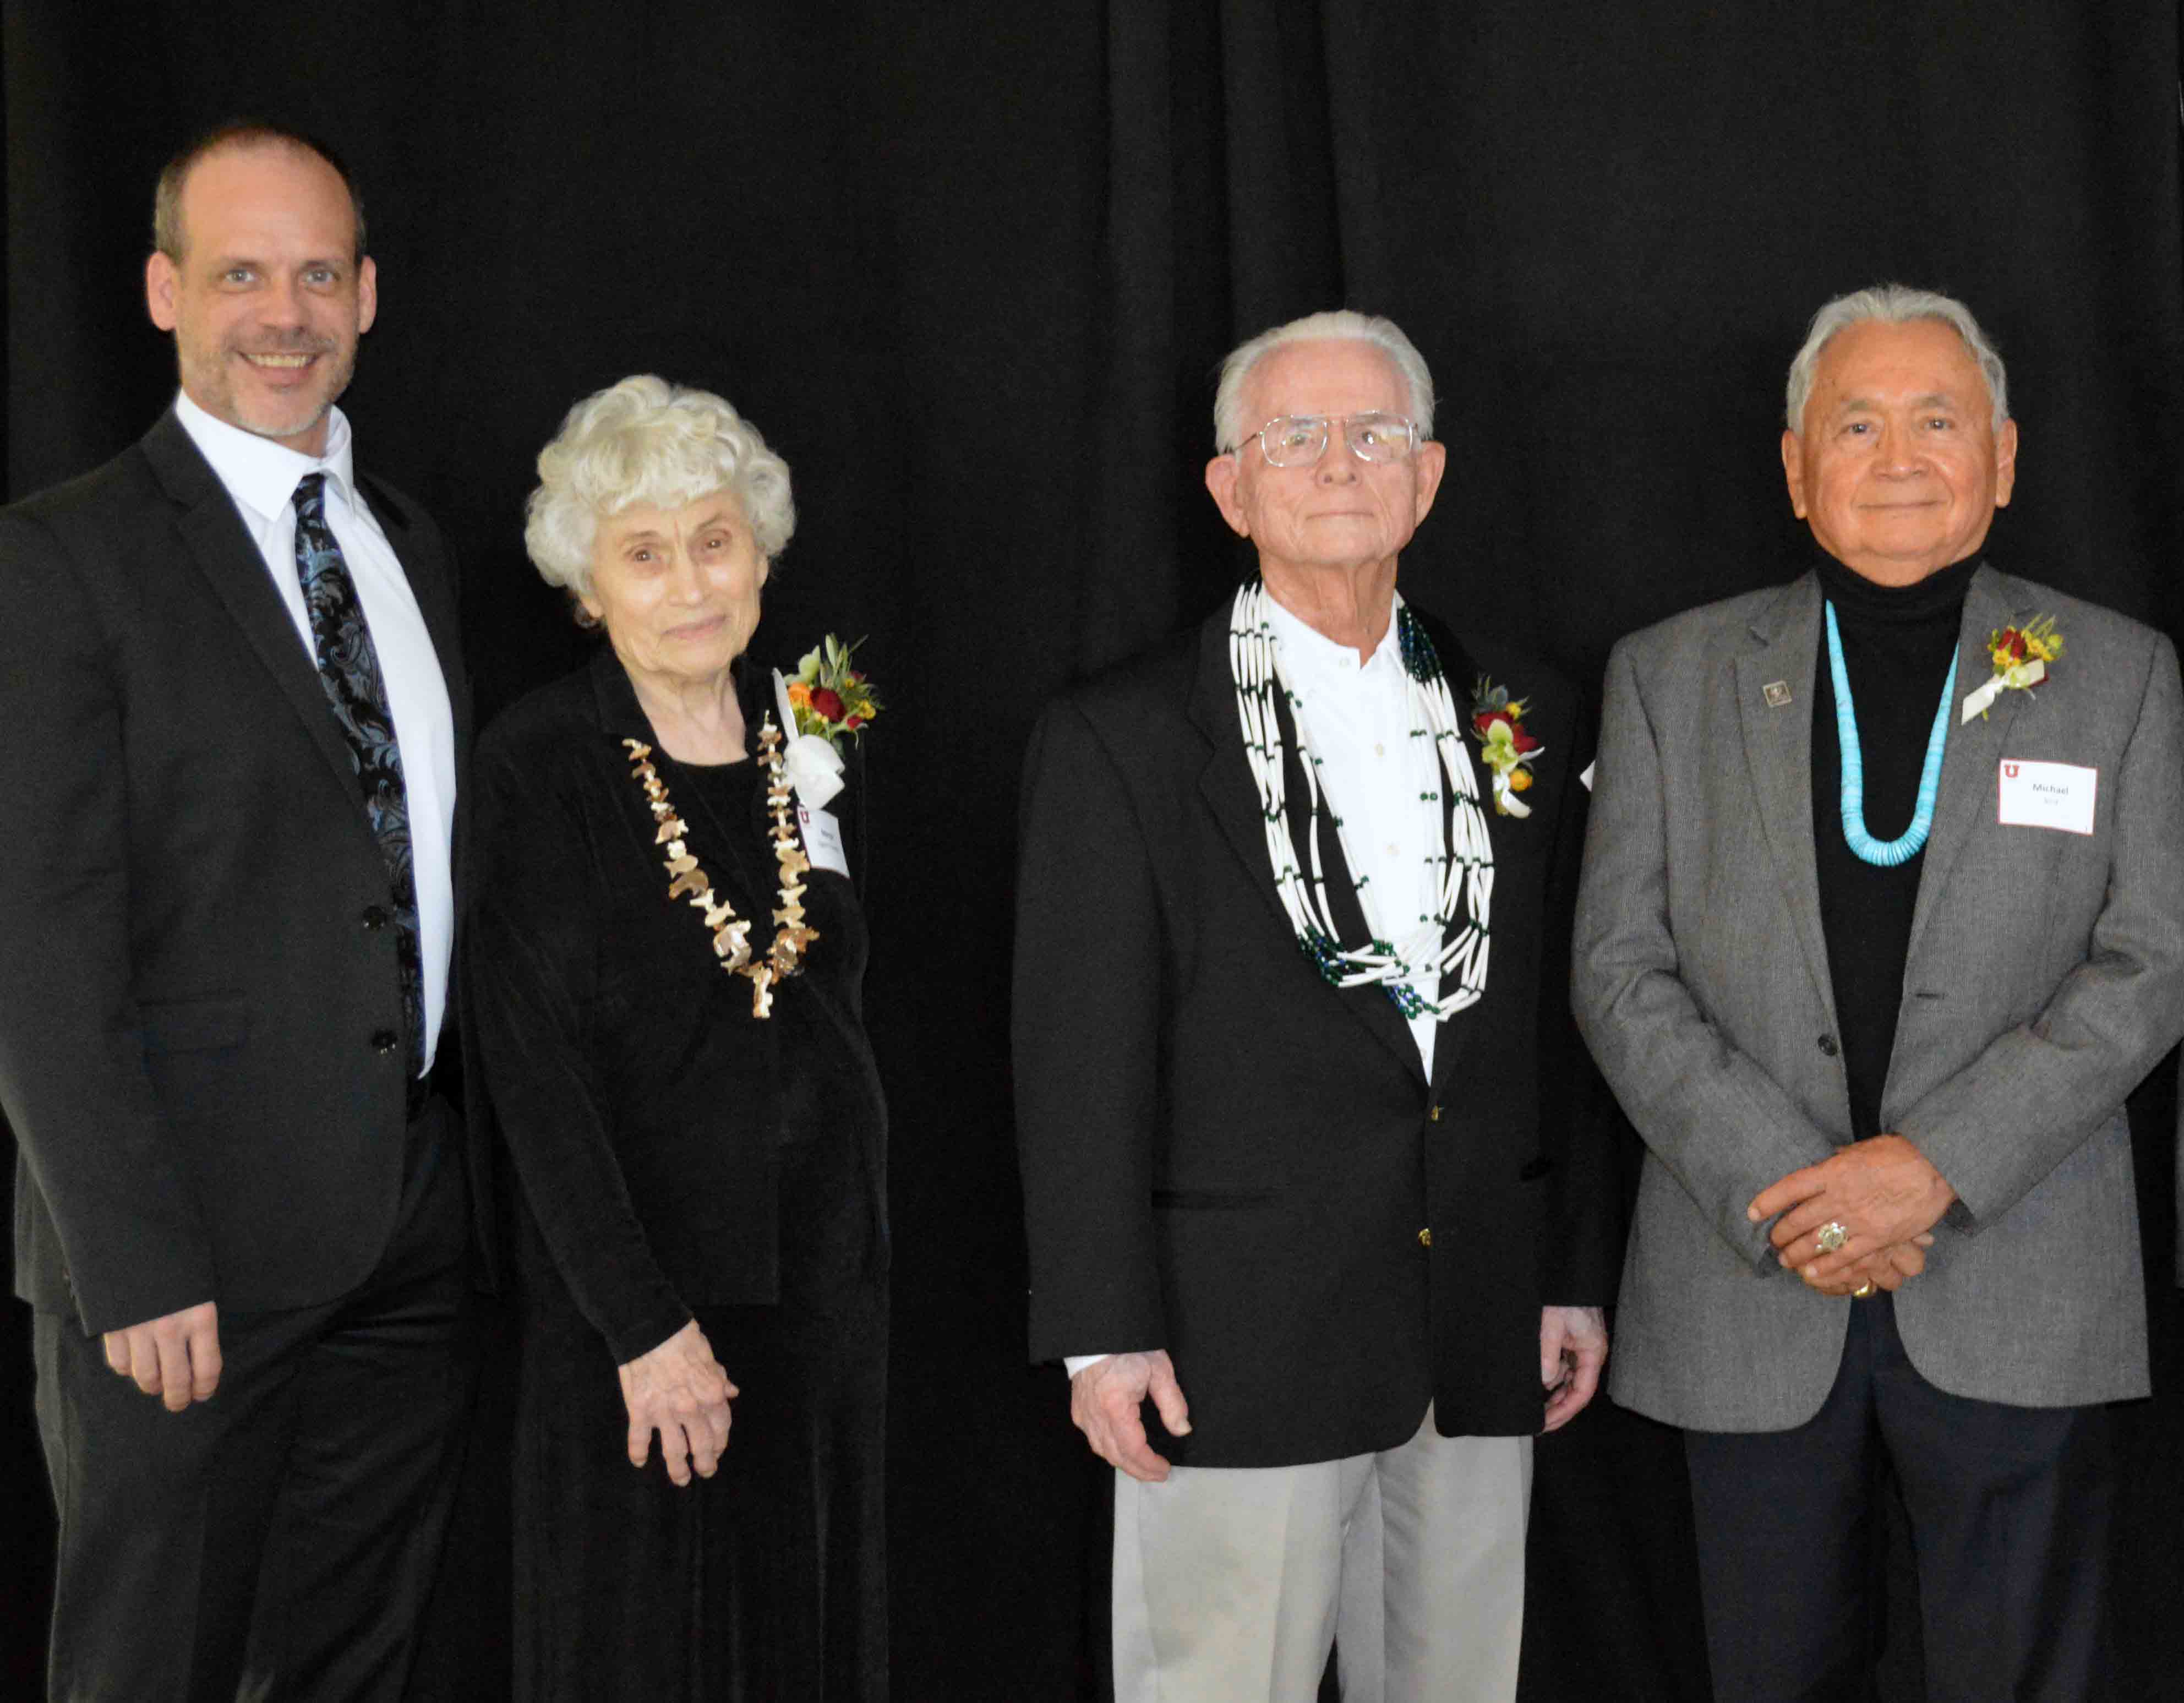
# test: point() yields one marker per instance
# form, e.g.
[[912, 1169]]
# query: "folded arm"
[[527, 956], [1722, 1126], [1086, 1046], [73, 1081]]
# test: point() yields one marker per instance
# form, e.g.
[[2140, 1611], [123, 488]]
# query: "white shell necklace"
[[1462, 875]]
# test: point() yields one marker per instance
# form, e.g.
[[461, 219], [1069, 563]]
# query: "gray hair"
[[1894, 304], [646, 440], [1229, 426]]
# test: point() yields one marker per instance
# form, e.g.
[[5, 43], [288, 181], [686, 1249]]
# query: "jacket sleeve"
[[1086, 1028], [2036, 1092], [73, 1078], [1722, 1126], [529, 943]]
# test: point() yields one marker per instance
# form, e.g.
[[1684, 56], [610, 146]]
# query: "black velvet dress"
[[678, 1158]]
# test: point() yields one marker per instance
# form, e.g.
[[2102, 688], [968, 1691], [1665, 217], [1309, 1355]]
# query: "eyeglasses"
[[1300, 440]]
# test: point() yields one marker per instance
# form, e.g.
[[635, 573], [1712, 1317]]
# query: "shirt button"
[[1380, 750], [1393, 849], [1828, 1045], [385, 1041]]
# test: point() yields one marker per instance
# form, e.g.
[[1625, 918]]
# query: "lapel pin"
[[1776, 692]]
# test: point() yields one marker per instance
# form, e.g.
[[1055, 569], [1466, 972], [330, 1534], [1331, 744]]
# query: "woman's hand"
[[679, 1390]]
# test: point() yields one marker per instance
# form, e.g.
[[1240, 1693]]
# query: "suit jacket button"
[[374, 917], [385, 1040], [1828, 1045], [1425, 1238], [1433, 1111]]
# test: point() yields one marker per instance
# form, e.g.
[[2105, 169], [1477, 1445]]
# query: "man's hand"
[[1883, 1191], [1103, 1401], [174, 1356], [1572, 1349], [1890, 1268], [679, 1390]]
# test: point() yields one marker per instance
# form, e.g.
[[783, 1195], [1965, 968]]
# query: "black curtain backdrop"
[[970, 267]]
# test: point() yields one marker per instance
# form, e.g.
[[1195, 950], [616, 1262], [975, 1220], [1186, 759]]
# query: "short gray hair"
[[1894, 304], [647, 441], [1229, 426]]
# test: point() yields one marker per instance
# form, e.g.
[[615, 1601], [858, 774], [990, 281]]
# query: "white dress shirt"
[[260, 476], [1357, 716]]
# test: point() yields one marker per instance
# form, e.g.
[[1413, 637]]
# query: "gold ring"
[[1832, 1235], [1862, 1291]]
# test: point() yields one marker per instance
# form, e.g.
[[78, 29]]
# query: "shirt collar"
[[1309, 657], [259, 473]]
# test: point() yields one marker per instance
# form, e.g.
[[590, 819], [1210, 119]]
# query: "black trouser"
[[2009, 1510], [276, 1542]]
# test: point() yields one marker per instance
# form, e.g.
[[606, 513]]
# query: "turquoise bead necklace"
[[1885, 854]]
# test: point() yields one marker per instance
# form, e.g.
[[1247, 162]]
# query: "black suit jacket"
[[194, 997], [1227, 1158]]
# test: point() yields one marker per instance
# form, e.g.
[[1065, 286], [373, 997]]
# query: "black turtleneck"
[[1897, 643]]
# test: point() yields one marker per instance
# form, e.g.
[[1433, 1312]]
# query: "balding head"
[[169, 234]]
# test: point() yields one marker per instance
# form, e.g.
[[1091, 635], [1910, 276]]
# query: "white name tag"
[[2047, 795], [823, 839]]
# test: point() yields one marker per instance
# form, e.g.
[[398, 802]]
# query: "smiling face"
[[268, 299], [1338, 514], [1897, 467], [677, 589]]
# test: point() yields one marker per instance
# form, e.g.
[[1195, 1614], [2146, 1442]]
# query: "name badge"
[[823, 839], [2047, 795]]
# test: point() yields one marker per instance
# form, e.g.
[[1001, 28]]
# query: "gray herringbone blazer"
[[2045, 978]]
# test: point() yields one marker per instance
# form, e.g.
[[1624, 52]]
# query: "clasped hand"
[[1886, 1194], [679, 1390], [174, 1356]]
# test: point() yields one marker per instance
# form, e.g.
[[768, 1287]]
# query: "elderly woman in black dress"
[[662, 970]]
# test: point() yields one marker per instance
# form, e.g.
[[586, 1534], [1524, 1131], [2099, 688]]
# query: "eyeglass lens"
[[1300, 440]]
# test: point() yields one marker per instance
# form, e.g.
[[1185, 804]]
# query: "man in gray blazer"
[[1882, 917]]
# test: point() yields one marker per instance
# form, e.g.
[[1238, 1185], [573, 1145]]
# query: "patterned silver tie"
[[356, 691]]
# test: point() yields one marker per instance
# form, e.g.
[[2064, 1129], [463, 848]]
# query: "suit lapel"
[[432, 586], [1233, 798], [1969, 763], [231, 563], [1778, 754], [1226, 782], [1457, 1036]]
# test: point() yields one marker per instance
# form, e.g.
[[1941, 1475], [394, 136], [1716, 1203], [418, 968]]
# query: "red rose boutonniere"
[[1497, 722], [2021, 655], [830, 697], [826, 699]]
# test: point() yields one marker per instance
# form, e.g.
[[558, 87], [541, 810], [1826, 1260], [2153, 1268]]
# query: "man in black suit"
[[236, 714], [1306, 1168]]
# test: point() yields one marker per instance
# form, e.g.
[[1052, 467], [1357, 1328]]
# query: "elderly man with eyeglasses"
[[1316, 1192]]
